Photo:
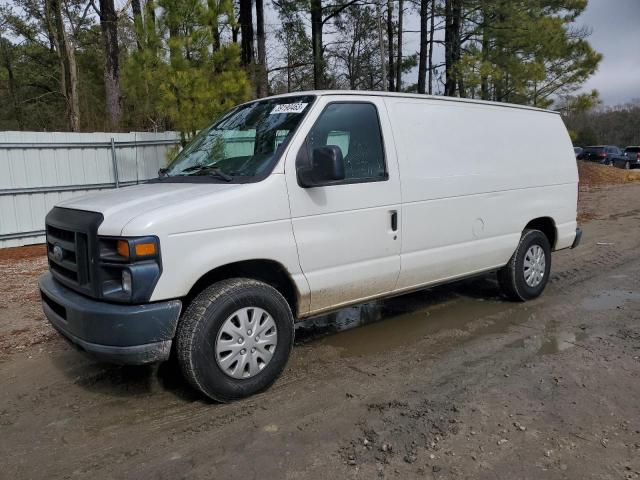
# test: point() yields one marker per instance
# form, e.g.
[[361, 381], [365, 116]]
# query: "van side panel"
[[472, 177]]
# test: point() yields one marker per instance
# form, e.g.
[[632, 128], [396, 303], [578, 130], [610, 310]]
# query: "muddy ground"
[[451, 382]]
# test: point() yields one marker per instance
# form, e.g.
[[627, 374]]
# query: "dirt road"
[[452, 382]]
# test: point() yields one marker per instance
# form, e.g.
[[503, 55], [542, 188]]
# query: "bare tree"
[[452, 32], [383, 60], [399, 61], [319, 18], [262, 80], [316, 44], [6, 57], [424, 45], [431, 42], [391, 71], [113, 96], [246, 32], [67, 57]]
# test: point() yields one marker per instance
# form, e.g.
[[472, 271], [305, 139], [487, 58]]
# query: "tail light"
[[638, 156]]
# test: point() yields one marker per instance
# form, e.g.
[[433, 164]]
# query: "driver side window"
[[355, 129]]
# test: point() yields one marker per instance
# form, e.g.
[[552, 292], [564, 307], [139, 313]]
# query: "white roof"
[[408, 95]]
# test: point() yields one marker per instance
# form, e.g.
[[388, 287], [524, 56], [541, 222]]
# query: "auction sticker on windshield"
[[289, 108]]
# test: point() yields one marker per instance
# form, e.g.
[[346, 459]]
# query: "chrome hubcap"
[[534, 265], [246, 342]]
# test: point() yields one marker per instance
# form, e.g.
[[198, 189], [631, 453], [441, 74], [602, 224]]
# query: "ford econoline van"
[[299, 204]]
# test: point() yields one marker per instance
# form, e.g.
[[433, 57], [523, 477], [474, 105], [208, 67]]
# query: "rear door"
[[347, 234]]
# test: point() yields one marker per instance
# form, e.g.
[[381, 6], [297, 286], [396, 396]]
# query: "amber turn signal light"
[[145, 249], [123, 248]]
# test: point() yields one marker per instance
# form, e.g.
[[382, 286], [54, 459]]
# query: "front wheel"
[[627, 165], [527, 273], [234, 339]]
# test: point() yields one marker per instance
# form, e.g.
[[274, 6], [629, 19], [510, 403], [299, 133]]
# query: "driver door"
[[348, 233]]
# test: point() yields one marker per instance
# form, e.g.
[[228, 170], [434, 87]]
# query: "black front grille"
[[71, 246], [61, 248]]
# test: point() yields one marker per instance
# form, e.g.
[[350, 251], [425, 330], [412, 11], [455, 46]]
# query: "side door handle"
[[394, 220]]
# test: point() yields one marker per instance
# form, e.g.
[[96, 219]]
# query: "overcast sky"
[[616, 34], [615, 26]]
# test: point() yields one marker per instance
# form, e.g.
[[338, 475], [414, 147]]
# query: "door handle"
[[394, 220]]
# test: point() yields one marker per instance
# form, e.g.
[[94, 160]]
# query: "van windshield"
[[243, 146]]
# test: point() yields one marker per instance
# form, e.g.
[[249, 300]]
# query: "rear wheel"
[[234, 339], [527, 273]]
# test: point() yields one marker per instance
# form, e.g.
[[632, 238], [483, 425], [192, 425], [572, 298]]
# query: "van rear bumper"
[[123, 334]]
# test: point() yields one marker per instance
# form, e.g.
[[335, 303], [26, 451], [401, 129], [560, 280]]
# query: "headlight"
[[129, 268]]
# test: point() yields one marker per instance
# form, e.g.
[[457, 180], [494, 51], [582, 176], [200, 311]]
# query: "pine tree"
[[202, 77], [524, 52]]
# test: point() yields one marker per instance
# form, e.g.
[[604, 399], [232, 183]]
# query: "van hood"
[[121, 205]]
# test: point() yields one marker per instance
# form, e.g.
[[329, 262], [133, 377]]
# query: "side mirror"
[[326, 166]]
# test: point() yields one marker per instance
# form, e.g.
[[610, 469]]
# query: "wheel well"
[[267, 271], [547, 226]]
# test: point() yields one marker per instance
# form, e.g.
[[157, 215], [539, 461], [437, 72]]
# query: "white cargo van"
[[299, 204]]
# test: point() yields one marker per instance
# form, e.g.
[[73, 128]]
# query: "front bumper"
[[124, 334]]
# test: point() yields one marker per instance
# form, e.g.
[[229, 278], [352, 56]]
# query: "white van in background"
[[299, 204]]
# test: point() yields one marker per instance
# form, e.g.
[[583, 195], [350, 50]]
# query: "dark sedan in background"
[[604, 154]]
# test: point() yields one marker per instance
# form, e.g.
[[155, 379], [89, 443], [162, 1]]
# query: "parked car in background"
[[577, 151], [631, 158], [604, 154]]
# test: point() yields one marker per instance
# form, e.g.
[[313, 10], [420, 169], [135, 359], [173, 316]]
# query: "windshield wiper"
[[208, 170]]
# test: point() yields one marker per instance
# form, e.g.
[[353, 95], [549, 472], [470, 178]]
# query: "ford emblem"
[[57, 253]]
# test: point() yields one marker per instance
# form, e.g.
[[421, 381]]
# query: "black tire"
[[511, 277], [198, 332], [627, 165]]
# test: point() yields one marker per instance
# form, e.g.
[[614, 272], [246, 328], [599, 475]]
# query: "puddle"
[[609, 299], [560, 341], [378, 326]]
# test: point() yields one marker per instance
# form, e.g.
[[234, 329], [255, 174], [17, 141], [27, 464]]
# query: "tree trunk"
[[383, 60], [288, 67], [214, 24], [246, 32], [422, 63], [263, 80], [484, 80], [316, 44], [399, 61], [109, 26], [450, 81], [7, 58], [136, 9], [68, 67], [453, 14], [391, 72], [431, 32]]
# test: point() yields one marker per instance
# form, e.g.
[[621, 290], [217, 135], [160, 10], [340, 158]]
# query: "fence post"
[[115, 163]]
